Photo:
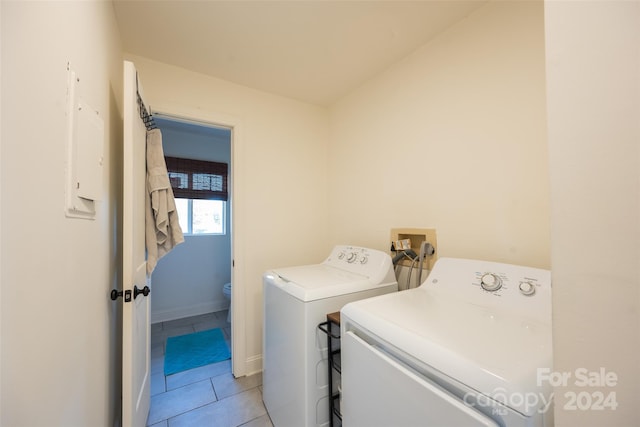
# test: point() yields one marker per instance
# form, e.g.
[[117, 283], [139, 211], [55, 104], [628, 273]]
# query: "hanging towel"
[[162, 231]]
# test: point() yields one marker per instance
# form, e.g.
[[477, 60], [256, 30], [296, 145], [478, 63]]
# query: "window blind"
[[197, 179]]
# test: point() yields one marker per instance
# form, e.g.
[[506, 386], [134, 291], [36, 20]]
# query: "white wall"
[[280, 206], [60, 355], [459, 115], [1, 281], [189, 279], [453, 137], [593, 77]]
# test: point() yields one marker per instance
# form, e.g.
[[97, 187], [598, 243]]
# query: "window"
[[198, 216], [200, 189]]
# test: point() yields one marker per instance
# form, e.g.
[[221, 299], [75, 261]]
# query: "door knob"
[[144, 291]]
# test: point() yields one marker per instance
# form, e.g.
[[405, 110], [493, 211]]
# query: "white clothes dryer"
[[296, 300], [466, 348]]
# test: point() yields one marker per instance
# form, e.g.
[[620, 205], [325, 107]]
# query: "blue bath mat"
[[194, 350]]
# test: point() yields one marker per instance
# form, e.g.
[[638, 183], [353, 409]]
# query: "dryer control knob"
[[490, 282], [364, 259], [527, 288], [352, 257]]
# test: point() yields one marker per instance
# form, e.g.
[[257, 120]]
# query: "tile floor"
[[205, 396]]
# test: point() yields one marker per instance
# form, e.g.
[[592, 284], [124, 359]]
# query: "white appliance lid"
[[317, 276], [486, 349], [313, 282]]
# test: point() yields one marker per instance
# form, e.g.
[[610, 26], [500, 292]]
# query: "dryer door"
[[380, 391]]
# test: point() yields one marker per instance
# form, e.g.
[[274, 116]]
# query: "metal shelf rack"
[[332, 328]]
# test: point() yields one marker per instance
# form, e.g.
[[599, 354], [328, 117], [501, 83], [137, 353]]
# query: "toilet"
[[226, 290]]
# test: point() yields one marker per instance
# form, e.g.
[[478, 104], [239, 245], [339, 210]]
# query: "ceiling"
[[315, 51]]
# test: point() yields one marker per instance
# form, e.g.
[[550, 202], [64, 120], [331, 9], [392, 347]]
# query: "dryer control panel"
[[491, 284]]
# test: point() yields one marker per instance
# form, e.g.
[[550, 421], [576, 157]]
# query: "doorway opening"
[[240, 365], [192, 283]]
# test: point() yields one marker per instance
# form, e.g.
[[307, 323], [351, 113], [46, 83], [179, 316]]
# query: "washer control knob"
[[527, 288], [341, 255], [490, 282], [352, 257], [364, 259]]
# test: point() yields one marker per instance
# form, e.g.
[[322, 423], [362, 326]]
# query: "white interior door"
[[136, 327]]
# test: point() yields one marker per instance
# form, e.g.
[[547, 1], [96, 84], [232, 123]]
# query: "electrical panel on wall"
[[85, 153]]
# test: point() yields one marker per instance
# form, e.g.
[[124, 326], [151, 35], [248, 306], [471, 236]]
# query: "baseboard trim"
[[254, 365], [193, 310]]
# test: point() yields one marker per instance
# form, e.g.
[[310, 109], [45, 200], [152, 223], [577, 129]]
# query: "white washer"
[[463, 349], [296, 300]]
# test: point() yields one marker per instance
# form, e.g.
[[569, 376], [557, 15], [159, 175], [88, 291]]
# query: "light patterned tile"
[[226, 385], [188, 321], [157, 348], [198, 374], [232, 411], [210, 324], [242, 403], [157, 364], [156, 328], [227, 332], [204, 322], [178, 330], [181, 400], [263, 421], [158, 384], [221, 315], [177, 323]]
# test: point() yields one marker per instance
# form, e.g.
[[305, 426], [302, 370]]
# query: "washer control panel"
[[350, 255], [359, 260], [490, 284]]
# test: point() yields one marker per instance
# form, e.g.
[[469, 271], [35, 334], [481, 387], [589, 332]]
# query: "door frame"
[[238, 321]]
